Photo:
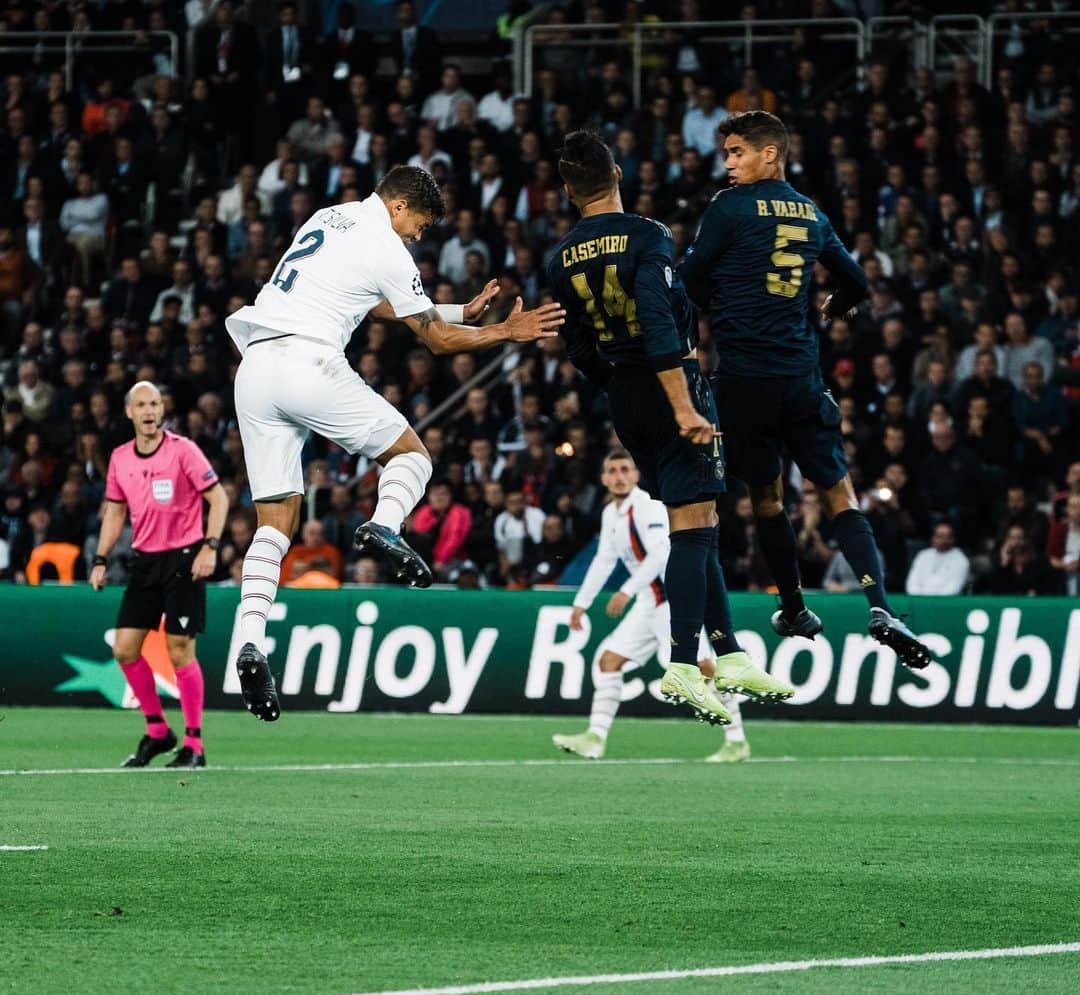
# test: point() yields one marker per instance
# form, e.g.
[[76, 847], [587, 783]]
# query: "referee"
[[163, 479]]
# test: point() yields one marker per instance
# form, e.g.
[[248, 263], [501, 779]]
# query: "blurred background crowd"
[[147, 193]]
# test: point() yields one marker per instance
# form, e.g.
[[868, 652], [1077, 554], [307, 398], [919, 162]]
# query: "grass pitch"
[[835, 841]]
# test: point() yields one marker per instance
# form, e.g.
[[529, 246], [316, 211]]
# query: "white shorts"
[[645, 630], [291, 386]]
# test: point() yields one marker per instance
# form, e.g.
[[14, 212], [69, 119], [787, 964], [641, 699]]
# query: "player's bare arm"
[[112, 524], [442, 337], [472, 311]]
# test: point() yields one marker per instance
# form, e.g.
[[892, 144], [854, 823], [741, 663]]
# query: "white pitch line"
[[12, 848], [775, 967], [565, 762]]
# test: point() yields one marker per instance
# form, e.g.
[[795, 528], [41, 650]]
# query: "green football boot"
[[585, 744], [730, 753], [736, 672], [684, 684]]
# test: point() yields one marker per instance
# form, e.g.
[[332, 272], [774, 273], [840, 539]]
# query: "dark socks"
[[856, 541], [718, 623], [781, 553], [687, 590]]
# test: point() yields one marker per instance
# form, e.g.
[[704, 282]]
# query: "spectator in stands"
[[440, 109], [949, 481], [441, 527], [312, 553], [82, 220], [1020, 569], [1041, 417], [415, 50], [1023, 349], [181, 291], [941, 569], [701, 120], [518, 529], [34, 394], [496, 107], [1063, 547]]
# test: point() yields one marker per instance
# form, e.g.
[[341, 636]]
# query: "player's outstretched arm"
[[441, 337], [112, 524], [471, 312]]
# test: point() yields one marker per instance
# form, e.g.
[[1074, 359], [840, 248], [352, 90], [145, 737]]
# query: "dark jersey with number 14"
[[628, 318], [751, 261], [614, 273]]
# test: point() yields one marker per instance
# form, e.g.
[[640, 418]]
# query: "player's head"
[[587, 168], [619, 474], [145, 408], [755, 146], [413, 199]]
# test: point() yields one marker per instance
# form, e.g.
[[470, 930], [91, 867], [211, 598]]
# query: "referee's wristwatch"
[[212, 543]]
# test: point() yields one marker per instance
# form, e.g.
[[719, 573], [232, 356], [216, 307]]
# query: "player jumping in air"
[[163, 480], [344, 263], [749, 264], [633, 331], [635, 530]]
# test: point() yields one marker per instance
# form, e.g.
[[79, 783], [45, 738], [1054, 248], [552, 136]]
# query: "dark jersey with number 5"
[[751, 262], [626, 305]]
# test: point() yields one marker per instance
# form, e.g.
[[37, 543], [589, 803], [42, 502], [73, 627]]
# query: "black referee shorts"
[[161, 584]]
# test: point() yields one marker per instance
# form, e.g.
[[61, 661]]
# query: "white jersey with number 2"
[[343, 261]]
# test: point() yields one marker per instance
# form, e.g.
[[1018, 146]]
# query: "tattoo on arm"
[[427, 318]]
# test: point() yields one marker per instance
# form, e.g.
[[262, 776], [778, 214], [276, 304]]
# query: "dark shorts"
[[672, 470], [763, 416], [161, 584]]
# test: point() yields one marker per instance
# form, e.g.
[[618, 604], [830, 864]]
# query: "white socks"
[[258, 587], [401, 488], [734, 733], [605, 702]]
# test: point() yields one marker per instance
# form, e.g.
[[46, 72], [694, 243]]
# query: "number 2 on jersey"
[[285, 281], [616, 303], [775, 282]]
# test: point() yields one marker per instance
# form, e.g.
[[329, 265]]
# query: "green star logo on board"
[[93, 675]]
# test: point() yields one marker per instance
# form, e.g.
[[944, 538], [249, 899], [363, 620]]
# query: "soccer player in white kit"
[[634, 529], [344, 263]]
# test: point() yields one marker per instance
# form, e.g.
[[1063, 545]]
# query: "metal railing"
[[899, 30], [953, 36], [74, 44], [741, 34], [482, 377], [935, 43], [1001, 25]]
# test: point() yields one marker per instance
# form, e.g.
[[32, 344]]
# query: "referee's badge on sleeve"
[[163, 490]]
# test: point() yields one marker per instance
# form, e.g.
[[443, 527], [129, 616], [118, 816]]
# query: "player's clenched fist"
[[540, 323]]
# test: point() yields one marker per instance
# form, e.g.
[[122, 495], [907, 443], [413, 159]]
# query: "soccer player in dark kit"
[[631, 329], [750, 265]]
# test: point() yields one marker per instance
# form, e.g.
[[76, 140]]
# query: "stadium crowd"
[[137, 211]]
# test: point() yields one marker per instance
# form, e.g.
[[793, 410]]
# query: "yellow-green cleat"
[[585, 744], [684, 684], [730, 753], [736, 672]]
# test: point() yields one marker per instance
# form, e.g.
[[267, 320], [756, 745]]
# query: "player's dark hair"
[[586, 164], [759, 128], [617, 454], [415, 186]]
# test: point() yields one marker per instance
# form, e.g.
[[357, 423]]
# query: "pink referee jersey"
[[163, 492]]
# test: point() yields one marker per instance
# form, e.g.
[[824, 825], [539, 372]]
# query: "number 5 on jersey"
[[775, 282], [285, 280]]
